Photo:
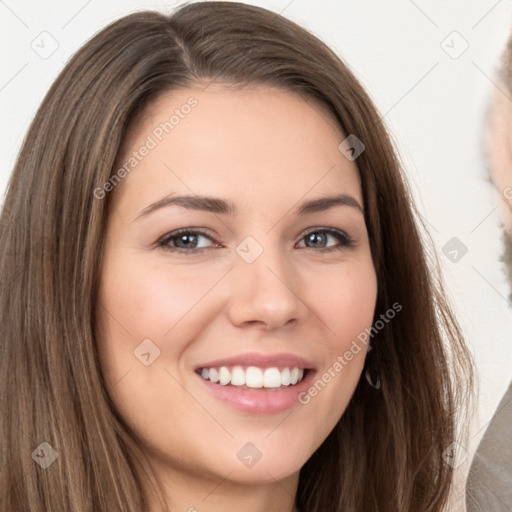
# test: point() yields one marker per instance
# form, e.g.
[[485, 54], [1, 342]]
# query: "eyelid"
[[345, 241], [162, 241]]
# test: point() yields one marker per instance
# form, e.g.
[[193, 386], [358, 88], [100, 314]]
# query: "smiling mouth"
[[253, 377]]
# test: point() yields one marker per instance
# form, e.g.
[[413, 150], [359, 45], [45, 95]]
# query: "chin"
[[262, 461], [265, 472]]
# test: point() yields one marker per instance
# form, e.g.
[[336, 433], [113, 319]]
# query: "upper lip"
[[260, 360]]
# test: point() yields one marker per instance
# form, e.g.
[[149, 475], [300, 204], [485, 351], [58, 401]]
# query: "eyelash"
[[345, 241]]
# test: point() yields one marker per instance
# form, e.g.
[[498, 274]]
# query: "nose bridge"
[[263, 288], [257, 255]]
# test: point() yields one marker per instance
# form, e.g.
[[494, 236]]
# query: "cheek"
[[140, 301], [143, 302], [346, 307], [149, 301], [346, 303]]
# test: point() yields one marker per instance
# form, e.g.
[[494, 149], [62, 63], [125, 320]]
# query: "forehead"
[[256, 140]]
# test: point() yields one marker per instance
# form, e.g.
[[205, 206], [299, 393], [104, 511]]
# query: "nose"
[[265, 291]]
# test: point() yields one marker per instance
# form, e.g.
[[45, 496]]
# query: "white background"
[[434, 106]]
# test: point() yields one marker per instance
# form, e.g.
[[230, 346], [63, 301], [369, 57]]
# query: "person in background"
[[489, 484]]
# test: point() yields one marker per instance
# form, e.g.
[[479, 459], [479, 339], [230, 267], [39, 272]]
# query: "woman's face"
[[282, 279]]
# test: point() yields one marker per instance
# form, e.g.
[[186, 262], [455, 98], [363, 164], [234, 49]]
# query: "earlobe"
[[373, 381]]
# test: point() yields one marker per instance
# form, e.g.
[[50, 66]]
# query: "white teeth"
[[237, 376], [213, 375], [253, 377], [285, 377], [224, 375], [271, 378]]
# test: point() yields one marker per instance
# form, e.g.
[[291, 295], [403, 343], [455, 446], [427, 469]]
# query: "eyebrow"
[[226, 207]]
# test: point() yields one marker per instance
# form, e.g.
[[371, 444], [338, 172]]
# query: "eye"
[[183, 240], [318, 237], [187, 240]]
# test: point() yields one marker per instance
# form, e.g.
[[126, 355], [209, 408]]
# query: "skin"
[[267, 150], [500, 154], [491, 459], [499, 143]]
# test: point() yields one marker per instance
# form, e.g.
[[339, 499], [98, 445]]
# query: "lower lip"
[[260, 400]]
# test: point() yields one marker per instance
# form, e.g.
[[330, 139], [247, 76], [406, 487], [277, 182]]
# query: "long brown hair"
[[386, 452]]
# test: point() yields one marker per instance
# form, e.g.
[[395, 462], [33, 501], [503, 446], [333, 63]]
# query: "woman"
[[144, 373]]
